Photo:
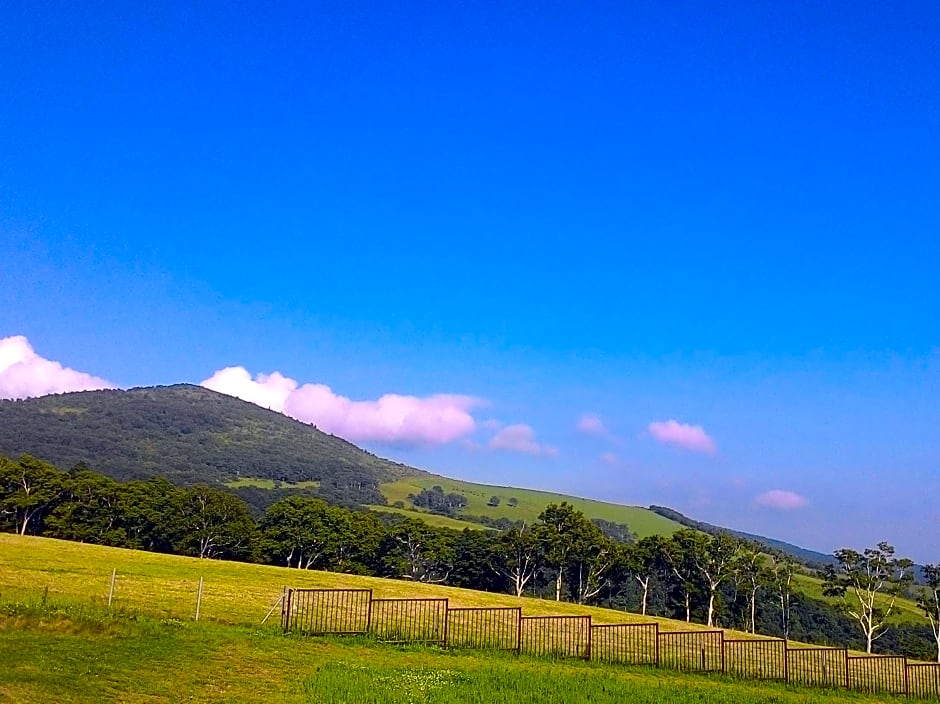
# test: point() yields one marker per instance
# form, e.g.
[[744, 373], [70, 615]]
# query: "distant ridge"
[[189, 435], [811, 558]]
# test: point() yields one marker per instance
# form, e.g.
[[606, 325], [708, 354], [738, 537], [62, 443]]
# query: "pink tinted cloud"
[[24, 374], [521, 438], [266, 390], [392, 418], [611, 459], [689, 437], [590, 424], [781, 499]]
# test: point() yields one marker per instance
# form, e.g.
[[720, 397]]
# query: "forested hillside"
[[190, 435]]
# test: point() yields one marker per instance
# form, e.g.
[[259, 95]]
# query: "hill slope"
[[185, 433], [189, 435], [528, 503]]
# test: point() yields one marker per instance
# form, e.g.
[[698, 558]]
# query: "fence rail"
[[484, 628], [556, 636], [356, 611]]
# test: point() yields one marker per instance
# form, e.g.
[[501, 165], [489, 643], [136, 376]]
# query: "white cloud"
[[689, 437], [24, 374], [521, 438], [781, 500], [392, 418]]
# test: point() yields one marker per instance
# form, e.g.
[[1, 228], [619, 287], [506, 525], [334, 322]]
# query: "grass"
[[164, 586], [906, 611], [269, 484], [430, 518], [62, 652], [642, 521], [59, 641]]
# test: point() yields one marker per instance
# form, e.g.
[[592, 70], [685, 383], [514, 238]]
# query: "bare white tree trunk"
[[645, 583]]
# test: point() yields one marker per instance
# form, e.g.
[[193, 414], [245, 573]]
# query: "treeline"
[[716, 579]]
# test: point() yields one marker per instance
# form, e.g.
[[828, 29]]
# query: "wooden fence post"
[[198, 599], [111, 590]]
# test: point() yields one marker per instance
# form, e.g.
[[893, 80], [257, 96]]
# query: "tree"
[[89, 510], [561, 531], [749, 577], [303, 533], [474, 559], [780, 581], [641, 561], [875, 578], [517, 553], [618, 532], [493, 502], [151, 513], [513, 502], [593, 557], [714, 560], [29, 489], [420, 552], [678, 554], [216, 524], [929, 601]]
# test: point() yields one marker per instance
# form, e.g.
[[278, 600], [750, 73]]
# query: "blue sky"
[[725, 217]]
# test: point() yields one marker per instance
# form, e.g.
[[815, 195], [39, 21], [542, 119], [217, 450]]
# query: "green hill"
[[528, 503], [190, 435]]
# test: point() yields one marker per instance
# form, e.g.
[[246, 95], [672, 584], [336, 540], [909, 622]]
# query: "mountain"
[[190, 435], [810, 558]]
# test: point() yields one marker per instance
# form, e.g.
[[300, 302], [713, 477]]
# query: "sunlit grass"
[[72, 653], [530, 504]]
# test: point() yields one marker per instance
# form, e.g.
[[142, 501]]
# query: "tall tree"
[[475, 554], [420, 552], [216, 524], [869, 584], [715, 559], [749, 576], [151, 513], [89, 510], [929, 601], [641, 561], [562, 529], [679, 555], [592, 558], [517, 556], [302, 532], [781, 570], [29, 489]]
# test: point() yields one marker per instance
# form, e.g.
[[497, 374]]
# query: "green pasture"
[[60, 642], [906, 611], [235, 593], [531, 503], [68, 653], [430, 518], [259, 483]]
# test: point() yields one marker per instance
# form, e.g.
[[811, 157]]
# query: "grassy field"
[[75, 655], [429, 518], [269, 484], [642, 521], [906, 611], [59, 642], [235, 593]]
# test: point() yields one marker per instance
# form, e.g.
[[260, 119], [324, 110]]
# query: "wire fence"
[[356, 611]]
